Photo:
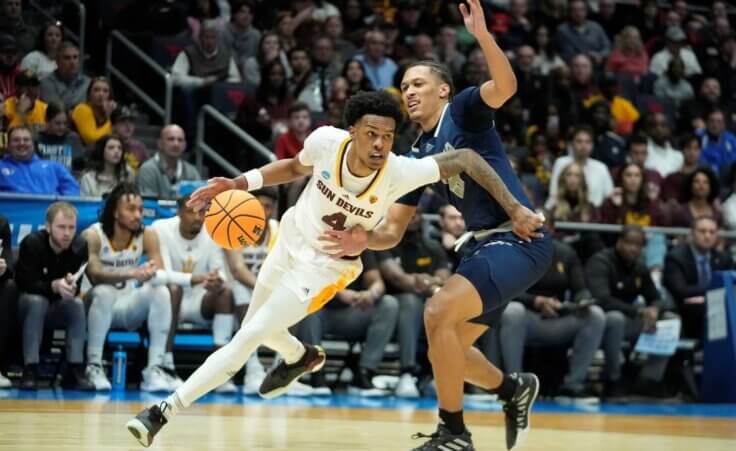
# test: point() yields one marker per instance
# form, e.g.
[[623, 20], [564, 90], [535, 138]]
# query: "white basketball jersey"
[[114, 260], [198, 256], [253, 256], [327, 204]]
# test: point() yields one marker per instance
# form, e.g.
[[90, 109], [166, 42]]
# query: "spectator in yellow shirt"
[[92, 117], [25, 108]]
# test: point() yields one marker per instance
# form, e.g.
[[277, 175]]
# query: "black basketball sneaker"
[[443, 440], [517, 409], [147, 423], [279, 378]]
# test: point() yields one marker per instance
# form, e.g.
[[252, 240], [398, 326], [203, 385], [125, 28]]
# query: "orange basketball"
[[235, 219]]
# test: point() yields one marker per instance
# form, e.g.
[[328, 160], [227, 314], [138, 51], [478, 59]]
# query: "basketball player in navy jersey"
[[497, 265]]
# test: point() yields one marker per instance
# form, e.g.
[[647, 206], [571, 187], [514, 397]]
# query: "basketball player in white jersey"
[[194, 270], [244, 266], [116, 245], [355, 179]]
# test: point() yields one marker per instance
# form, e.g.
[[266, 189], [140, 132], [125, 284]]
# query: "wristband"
[[254, 177], [179, 278]]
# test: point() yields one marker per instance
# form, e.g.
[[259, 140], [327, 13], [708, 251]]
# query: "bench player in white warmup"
[[194, 270], [355, 179]]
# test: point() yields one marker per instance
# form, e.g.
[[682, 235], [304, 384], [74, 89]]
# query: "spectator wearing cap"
[[25, 108], [9, 67], [42, 61], [123, 128], [92, 117], [22, 171], [12, 23], [66, 85], [676, 45], [57, 143], [580, 35]]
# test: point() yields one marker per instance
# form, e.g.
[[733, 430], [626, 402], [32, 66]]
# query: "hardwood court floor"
[[39, 425]]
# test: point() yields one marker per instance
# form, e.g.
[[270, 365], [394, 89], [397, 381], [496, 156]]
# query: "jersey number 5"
[[335, 220]]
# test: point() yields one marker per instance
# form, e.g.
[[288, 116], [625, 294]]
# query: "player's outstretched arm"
[[274, 173], [524, 221], [503, 84]]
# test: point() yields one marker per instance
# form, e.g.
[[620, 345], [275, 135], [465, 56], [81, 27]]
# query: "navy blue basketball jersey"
[[468, 122]]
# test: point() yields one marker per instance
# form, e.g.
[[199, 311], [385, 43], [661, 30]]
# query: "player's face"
[[423, 93], [129, 212], [191, 221], [373, 137], [62, 230]]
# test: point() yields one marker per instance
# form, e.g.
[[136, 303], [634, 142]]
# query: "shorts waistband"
[[479, 235]]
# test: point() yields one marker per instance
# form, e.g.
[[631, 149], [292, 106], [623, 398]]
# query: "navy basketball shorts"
[[502, 267]]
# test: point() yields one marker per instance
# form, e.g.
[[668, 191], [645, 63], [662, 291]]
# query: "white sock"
[[222, 328], [168, 361], [253, 365], [174, 406]]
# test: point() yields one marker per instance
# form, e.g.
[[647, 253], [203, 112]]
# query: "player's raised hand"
[[474, 18], [525, 223], [203, 195], [345, 242]]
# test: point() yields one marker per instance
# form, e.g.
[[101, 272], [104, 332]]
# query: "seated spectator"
[[583, 84], [539, 160], [414, 270], [530, 84], [285, 27], [623, 111], [661, 156], [672, 184], [9, 67], [301, 70], [452, 226], [610, 148], [547, 57], [637, 154], [57, 143], [8, 298], [597, 177], [244, 266], [115, 247], [12, 23], [519, 28], [344, 49], [610, 17], [380, 69], [107, 167], [49, 291], [270, 49], [206, 62], [123, 128], [629, 203], [160, 176], [42, 61], [688, 269], [25, 108], [239, 35], [354, 73], [544, 317], [22, 171], [324, 63], [265, 115], [698, 197], [289, 144], [718, 144], [579, 35], [361, 312], [694, 112], [201, 11], [629, 57], [194, 267], [672, 85], [92, 117], [447, 50], [67, 85], [676, 45], [617, 278]]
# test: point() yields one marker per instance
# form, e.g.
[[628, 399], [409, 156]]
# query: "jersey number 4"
[[335, 220]]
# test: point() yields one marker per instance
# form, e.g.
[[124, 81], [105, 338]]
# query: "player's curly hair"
[[379, 103], [107, 215]]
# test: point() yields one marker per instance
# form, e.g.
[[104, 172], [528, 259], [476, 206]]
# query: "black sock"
[[506, 390], [453, 421]]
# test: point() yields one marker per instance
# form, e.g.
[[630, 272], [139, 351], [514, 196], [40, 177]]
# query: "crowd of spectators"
[[624, 115]]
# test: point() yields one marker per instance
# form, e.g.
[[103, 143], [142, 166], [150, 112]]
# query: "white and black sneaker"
[[518, 407], [148, 423], [443, 440]]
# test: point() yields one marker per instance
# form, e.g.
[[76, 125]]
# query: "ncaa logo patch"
[[325, 175], [373, 199]]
